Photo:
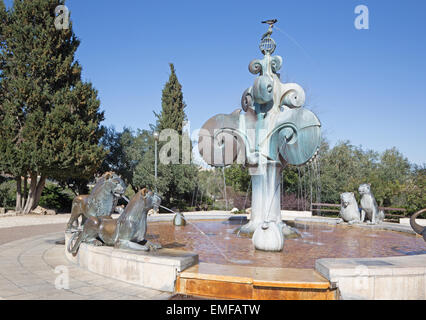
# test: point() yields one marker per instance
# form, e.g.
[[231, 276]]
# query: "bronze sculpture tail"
[[416, 227], [73, 246]]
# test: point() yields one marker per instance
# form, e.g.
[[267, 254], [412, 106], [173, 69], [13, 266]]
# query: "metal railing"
[[331, 208]]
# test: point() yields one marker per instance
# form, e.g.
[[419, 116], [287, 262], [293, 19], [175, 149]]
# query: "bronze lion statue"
[[370, 209], [349, 211], [101, 201], [126, 232]]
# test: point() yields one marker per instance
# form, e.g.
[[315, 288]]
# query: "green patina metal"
[[272, 130]]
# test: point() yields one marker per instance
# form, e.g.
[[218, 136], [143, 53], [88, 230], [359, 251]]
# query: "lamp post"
[[156, 138]]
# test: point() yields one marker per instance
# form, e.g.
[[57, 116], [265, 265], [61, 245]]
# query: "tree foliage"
[[172, 115], [394, 181], [50, 118], [132, 154]]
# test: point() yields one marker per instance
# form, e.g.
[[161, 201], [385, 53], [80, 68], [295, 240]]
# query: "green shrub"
[[8, 194], [54, 197]]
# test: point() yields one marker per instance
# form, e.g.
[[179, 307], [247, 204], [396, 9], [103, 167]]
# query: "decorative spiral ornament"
[[255, 67], [294, 98], [72, 241], [247, 100]]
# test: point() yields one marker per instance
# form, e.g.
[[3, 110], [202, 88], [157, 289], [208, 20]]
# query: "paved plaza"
[[29, 259]]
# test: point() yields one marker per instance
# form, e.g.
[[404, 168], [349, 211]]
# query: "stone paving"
[[27, 272], [17, 233], [32, 220]]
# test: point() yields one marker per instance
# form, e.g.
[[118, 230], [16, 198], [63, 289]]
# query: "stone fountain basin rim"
[[306, 217], [339, 272], [390, 278], [386, 226], [154, 270], [287, 215]]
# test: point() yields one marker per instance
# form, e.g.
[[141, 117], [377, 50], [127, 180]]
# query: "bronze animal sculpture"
[[416, 227], [271, 23], [126, 232], [179, 219], [102, 201], [349, 211], [369, 205]]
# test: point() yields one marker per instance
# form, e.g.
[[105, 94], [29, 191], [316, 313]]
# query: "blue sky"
[[366, 86]]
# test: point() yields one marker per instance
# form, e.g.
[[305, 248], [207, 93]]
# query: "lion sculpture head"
[[364, 189], [347, 198], [153, 201], [110, 183]]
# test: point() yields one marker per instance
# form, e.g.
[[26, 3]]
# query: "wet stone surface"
[[217, 242]]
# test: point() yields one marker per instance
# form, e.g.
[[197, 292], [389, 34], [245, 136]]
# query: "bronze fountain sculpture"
[[416, 227], [370, 209], [271, 130], [126, 232], [101, 201], [349, 211]]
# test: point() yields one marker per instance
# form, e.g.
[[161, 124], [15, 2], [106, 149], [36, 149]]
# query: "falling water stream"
[[308, 182], [209, 240], [224, 188], [309, 185]]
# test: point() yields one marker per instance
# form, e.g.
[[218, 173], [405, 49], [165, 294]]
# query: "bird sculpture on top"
[[271, 26]]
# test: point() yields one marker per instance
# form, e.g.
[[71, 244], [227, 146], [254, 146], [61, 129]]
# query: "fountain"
[[270, 131], [201, 254]]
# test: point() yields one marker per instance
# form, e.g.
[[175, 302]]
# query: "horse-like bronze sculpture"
[[126, 232], [101, 201]]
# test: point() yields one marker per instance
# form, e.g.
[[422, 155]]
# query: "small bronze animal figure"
[[271, 26]]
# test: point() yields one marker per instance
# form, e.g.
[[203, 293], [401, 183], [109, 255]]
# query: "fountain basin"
[[323, 264], [155, 270], [319, 241]]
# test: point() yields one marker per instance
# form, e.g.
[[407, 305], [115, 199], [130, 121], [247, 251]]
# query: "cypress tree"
[[50, 118], [175, 181], [172, 114]]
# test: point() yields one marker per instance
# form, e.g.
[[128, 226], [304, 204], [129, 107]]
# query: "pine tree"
[[50, 118]]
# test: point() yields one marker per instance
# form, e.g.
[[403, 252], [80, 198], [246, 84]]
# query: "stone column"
[[266, 195], [268, 235]]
